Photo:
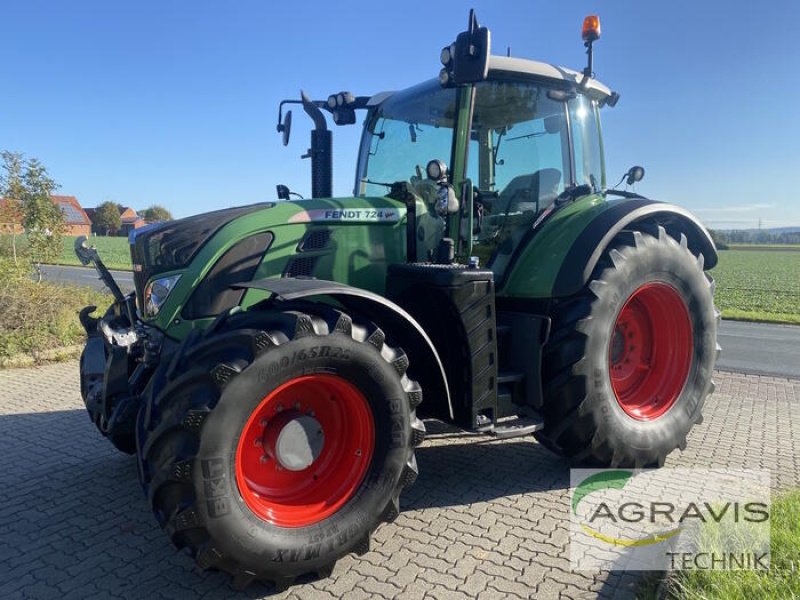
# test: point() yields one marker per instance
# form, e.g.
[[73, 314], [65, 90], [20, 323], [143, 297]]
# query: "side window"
[[586, 134], [523, 163]]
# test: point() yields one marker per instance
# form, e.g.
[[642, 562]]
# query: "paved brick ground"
[[484, 519]]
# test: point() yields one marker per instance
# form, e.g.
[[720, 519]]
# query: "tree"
[[42, 218], [156, 214], [12, 191], [106, 218]]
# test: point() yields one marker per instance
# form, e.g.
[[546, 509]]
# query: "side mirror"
[[286, 127], [283, 191], [467, 60], [634, 175]]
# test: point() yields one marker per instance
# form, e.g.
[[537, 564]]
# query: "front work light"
[[156, 293], [591, 28]]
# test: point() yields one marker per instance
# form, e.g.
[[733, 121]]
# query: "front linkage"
[[120, 355]]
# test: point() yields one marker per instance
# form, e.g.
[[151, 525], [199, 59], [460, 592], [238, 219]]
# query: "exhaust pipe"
[[320, 151]]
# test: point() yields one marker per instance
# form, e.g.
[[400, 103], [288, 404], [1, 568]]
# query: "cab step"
[[519, 427]]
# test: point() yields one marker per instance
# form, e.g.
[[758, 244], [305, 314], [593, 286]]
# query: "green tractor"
[[269, 369]]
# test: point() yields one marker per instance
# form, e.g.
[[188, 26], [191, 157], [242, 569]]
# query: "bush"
[[36, 318]]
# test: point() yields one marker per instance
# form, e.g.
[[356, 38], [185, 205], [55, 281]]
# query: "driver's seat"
[[531, 192]]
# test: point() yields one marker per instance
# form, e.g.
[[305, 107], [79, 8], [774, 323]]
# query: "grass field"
[[759, 284], [114, 251]]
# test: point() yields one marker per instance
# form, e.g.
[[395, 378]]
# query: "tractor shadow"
[[458, 468]]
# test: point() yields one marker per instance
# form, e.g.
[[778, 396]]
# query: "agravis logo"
[[612, 480], [642, 519]]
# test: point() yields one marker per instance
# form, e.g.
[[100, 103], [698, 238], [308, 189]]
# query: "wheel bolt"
[[258, 442], [297, 406], [358, 452], [264, 458], [263, 422]]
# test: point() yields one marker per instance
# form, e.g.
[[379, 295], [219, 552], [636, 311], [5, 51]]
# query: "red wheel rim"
[[285, 473], [650, 351]]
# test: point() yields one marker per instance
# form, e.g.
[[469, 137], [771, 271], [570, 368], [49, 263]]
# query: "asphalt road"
[[760, 348], [755, 348], [85, 276]]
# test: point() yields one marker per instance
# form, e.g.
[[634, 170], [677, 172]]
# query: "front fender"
[[559, 260], [398, 323]]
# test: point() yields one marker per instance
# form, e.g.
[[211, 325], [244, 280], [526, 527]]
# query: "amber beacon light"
[[591, 29], [590, 33]]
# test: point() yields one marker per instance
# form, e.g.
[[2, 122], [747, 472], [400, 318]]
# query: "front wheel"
[[629, 363], [277, 445]]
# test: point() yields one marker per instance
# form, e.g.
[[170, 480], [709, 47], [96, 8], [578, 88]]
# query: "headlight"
[[156, 293]]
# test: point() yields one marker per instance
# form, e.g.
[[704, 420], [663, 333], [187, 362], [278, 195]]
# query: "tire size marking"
[[313, 550], [266, 374]]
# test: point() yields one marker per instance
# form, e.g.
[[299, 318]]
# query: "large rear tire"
[[629, 362], [279, 443]]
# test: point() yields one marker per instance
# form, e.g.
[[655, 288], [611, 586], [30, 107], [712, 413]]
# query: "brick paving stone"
[[486, 519]]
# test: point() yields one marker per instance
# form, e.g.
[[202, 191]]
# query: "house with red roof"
[[76, 220], [129, 218]]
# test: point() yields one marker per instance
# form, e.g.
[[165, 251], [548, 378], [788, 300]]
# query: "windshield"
[[407, 131]]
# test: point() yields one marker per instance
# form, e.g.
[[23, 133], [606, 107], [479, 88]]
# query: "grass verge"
[[781, 581], [39, 321]]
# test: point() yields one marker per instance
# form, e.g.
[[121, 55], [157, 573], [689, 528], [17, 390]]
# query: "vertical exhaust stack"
[[321, 151]]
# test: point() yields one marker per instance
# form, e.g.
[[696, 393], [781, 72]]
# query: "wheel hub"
[[295, 440], [650, 351], [305, 450]]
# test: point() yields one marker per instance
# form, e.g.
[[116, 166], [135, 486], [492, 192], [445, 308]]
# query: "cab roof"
[[507, 65]]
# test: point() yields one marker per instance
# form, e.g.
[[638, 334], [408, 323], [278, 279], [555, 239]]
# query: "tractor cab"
[[488, 150], [532, 137]]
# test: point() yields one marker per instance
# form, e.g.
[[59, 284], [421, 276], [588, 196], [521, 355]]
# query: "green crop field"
[[114, 251], [759, 284]]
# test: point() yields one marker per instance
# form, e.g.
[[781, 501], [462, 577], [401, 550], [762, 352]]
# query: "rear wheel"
[[630, 359], [278, 444]]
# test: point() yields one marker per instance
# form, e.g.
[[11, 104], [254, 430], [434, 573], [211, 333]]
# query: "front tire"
[[284, 443], [629, 363]]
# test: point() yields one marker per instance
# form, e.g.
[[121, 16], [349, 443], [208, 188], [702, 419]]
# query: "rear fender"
[[637, 214], [573, 247], [425, 365]]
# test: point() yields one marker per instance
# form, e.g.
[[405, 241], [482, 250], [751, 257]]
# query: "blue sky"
[[176, 102]]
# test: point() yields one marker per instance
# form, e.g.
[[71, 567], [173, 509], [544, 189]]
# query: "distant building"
[[130, 220], [76, 221]]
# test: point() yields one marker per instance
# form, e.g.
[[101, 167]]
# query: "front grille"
[[301, 266], [315, 240]]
